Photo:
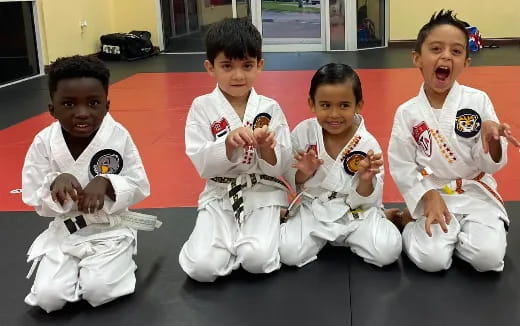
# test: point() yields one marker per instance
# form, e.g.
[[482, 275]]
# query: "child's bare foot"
[[398, 217]]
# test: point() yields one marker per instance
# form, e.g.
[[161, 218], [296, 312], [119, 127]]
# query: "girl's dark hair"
[[76, 67], [238, 38], [443, 17], [336, 73]]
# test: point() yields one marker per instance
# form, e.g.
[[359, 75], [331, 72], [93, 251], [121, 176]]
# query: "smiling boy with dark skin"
[[84, 171]]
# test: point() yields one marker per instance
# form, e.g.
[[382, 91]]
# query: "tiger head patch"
[[352, 160], [261, 120], [467, 123]]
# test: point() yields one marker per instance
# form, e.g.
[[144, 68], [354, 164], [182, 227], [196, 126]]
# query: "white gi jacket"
[[111, 151], [210, 119], [333, 186], [448, 148]]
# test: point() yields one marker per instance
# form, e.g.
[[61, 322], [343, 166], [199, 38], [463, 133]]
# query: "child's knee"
[[258, 259], [204, 265], [290, 248], [99, 289], [486, 255], [387, 249], [50, 296]]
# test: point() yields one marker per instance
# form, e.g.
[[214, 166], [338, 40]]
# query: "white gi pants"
[[98, 267], [479, 239], [372, 237], [216, 246]]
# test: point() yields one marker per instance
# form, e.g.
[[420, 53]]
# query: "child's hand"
[[307, 162], [435, 211], [492, 131], [93, 197], [65, 184], [264, 138], [369, 167], [240, 137]]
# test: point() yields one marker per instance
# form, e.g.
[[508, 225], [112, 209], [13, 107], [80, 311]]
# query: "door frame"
[[37, 35]]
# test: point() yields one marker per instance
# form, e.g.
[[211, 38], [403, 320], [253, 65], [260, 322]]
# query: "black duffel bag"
[[126, 46]]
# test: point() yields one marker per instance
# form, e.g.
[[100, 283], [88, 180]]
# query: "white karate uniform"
[[95, 263], [217, 244], [450, 147], [324, 212]]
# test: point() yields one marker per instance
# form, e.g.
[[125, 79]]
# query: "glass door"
[[356, 24], [290, 25]]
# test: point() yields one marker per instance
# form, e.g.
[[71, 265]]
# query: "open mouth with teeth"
[[442, 73]]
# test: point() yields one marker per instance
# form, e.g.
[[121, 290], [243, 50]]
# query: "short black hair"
[[336, 73], [238, 38], [443, 17], [77, 66]]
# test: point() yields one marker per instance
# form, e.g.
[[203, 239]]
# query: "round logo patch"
[[351, 161], [261, 120], [467, 123], [106, 161]]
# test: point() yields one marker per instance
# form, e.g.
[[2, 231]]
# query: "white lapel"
[[222, 105], [337, 179], [80, 166], [444, 144], [59, 150]]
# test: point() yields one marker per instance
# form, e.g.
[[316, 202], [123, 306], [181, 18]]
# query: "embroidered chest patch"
[[220, 128], [106, 161], [261, 120], [351, 161], [467, 123], [423, 138]]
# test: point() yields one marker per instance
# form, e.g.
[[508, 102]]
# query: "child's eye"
[[226, 66], [436, 49], [248, 66], [68, 105], [325, 105], [344, 105], [93, 103], [457, 52]]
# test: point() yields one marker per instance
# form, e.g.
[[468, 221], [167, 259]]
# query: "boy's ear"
[[209, 68], [50, 107], [416, 59], [311, 104], [359, 106], [260, 64], [467, 62]]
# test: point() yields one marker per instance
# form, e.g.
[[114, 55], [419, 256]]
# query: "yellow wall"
[[61, 25], [212, 14], [136, 15], [495, 19], [60, 30]]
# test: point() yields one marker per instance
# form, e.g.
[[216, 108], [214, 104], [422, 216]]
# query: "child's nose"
[[81, 111], [238, 74]]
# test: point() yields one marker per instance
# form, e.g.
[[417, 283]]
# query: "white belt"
[[135, 220]]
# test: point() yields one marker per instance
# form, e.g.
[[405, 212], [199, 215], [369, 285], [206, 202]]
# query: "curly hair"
[[77, 66]]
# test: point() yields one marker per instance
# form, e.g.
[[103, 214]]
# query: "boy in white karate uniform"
[[84, 171], [445, 145], [338, 173], [239, 142]]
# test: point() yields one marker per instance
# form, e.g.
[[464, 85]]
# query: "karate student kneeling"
[[239, 142], [339, 176], [84, 171], [446, 143]]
